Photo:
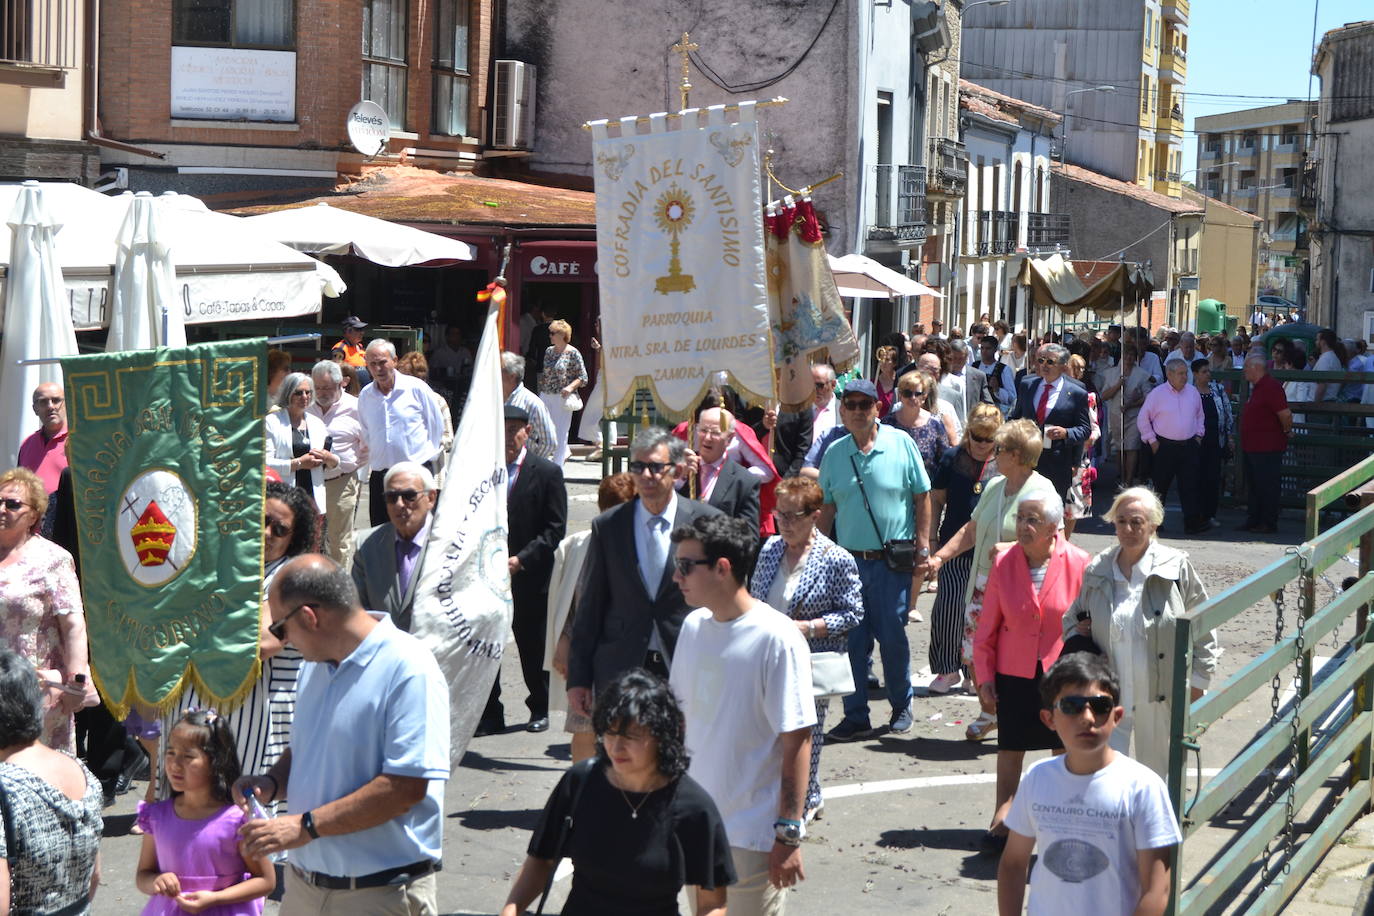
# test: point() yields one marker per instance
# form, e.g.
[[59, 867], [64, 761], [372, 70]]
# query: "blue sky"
[[1239, 48]]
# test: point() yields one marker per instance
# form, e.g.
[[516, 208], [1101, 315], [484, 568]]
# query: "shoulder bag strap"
[[864, 493], [581, 775]]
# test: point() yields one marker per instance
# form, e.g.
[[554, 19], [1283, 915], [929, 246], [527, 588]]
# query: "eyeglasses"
[[908, 393], [865, 404], [1100, 704], [653, 467], [983, 440], [277, 528], [1034, 521], [684, 564], [791, 516], [409, 496], [302, 393], [14, 505], [1047, 361], [278, 629], [821, 386]]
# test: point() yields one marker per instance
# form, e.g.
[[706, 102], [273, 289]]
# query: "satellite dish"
[[369, 127]]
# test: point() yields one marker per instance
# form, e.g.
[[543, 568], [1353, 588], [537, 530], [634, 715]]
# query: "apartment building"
[[1252, 160], [1006, 214], [1337, 194], [44, 67], [213, 97], [1114, 69]]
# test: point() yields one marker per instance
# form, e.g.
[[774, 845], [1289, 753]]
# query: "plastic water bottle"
[[260, 813]]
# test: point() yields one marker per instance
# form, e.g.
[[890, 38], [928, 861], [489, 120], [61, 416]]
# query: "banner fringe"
[[674, 416]]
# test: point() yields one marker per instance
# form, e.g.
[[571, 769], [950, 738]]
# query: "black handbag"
[[898, 553]]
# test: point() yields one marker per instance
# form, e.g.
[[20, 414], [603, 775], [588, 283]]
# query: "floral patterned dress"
[[35, 591]]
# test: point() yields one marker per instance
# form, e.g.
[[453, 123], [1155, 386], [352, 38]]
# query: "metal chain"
[[1295, 729], [1276, 686]]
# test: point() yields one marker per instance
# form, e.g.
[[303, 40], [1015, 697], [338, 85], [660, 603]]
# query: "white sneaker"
[[914, 616], [944, 683]]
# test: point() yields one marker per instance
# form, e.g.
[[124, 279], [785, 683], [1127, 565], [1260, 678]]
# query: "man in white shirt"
[[825, 410], [543, 438], [742, 672], [339, 411], [1186, 349], [401, 421]]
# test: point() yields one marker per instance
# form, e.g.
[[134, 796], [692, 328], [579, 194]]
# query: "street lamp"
[[1064, 148]]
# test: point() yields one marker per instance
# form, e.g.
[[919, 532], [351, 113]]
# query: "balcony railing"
[[1307, 187], [1175, 10], [948, 174], [1185, 262], [1046, 229], [40, 33], [1174, 61], [1171, 177], [997, 232], [899, 211], [1170, 121]]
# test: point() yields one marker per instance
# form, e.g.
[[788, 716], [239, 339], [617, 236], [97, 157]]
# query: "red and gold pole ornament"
[[495, 292]]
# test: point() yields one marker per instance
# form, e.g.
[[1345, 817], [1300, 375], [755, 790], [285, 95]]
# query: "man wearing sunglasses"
[[630, 610], [386, 565], [1000, 384], [1059, 406], [825, 409]]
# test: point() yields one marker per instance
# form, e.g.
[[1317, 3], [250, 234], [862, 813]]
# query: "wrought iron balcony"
[[1046, 229], [997, 233], [948, 174], [39, 41], [899, 211]]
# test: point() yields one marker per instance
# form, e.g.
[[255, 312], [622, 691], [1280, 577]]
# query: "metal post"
[[1179, 717]]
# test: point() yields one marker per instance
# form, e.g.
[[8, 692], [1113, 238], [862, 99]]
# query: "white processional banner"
[[681, 259], [462, 601]]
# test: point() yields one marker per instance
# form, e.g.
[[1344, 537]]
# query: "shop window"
[[450, 68], [384, 57], [267, 24]]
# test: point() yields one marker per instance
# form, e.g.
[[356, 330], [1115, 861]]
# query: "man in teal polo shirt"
[[894, 480]]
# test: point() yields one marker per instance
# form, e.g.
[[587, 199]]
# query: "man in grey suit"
[[630, 610], [387, 562], [975, 381], [721, 481]]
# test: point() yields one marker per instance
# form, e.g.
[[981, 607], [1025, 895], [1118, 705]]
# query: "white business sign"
[[230, 84]]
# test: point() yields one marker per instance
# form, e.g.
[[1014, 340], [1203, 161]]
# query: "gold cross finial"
[[685, 47]]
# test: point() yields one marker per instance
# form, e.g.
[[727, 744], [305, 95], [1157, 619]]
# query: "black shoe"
[[486, 729], [873, 682], [1246, 526], [849, 731], [540, 724], [1265, 529]]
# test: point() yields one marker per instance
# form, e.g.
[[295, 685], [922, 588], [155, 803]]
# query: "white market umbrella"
[[860, 277], [146, 312], [323, 229], [38, 322]]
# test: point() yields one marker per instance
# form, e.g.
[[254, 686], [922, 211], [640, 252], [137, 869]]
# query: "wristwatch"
[[923, 553], [308, 825], [788, 832]]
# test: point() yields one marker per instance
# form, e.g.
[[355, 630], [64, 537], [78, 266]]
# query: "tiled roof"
[[1126, 188], [997, 106], [1202, 200], [414, 195]]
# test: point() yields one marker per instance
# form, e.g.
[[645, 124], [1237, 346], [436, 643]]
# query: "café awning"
[[864, 278]]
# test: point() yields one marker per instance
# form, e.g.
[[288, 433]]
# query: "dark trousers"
[[1058, 470], [104, 744], [1262, 486], [527, 626], [376, 500], [1209, 479], [1178, 460]]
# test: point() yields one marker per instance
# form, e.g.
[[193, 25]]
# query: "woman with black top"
[[635, 825], [1215, 448]]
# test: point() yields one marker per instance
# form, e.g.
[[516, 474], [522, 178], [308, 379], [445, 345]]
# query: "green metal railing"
[[1288, 761]]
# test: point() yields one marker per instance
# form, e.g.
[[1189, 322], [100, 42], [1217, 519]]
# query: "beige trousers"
[[418, 898], [751, 895], [341, 504]]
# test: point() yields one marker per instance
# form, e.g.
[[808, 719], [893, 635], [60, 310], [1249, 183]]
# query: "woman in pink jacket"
[[1020, 634]]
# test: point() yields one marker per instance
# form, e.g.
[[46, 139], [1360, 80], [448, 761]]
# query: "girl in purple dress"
[[191, 861]]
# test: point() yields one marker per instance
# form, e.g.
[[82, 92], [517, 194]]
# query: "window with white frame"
[[385, 57], [263, 24], [450, 68]]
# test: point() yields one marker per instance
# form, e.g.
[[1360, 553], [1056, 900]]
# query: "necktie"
[[1044, 403], [654, 556]]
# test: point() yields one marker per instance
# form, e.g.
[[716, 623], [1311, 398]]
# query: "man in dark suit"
[[791, 433], [387, 563], [1059, 406], [537, 519], [540, 340], [629, 611], [721, 481]]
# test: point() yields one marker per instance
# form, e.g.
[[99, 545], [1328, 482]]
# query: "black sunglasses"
[[981, 439], [788, 516], [908, 393], [14, 505], [1047, 361], [1074, 705], [277, 528], [408, 495], [821, 386], [684, 564], [653, 467], [278, 629]]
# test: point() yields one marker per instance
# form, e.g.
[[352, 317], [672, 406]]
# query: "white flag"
[[462, 602]]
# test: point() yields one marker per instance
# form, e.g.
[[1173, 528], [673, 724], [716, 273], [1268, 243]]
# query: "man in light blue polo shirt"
[[898, 508], [364, 775]]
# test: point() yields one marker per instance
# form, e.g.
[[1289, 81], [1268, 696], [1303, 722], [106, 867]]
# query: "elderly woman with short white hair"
[[299, 446], [1132, 595]]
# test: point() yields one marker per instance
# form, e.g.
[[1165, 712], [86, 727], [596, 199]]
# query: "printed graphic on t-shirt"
[[1078, 859], [1074, 861]]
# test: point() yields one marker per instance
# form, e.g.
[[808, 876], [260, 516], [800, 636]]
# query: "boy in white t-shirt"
[[1103, 822], [742, 673]]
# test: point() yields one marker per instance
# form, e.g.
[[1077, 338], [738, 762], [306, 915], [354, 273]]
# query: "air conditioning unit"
[[513, 123]]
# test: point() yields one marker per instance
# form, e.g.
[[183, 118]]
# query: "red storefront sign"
[[558, 262]]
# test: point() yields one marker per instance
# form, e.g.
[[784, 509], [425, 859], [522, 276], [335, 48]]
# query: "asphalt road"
[[903, 813]]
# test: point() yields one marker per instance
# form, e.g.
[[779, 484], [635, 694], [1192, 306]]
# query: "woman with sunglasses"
[[1132, 594], [261, 725], [813, 580], [636, 827], [43, 618], [915, 413], [955, 488]]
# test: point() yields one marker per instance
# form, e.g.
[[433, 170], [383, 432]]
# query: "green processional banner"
[[166, 455]]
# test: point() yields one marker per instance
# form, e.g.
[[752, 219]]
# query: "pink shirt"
[[45, 457], [1170, 414]]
